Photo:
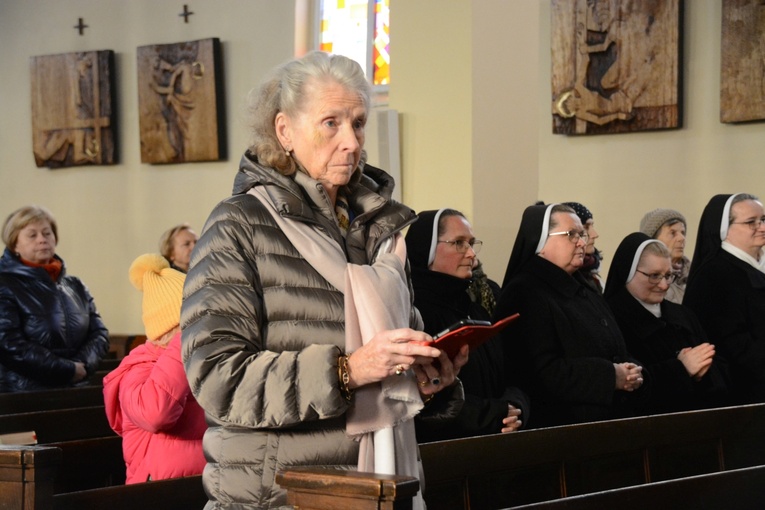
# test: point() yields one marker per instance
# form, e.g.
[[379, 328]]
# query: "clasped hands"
[[629, 376], [697, 360], [397, 350]]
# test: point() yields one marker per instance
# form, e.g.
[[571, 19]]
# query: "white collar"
[[742, 255]]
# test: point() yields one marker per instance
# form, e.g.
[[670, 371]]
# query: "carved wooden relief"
[[73, 120], [180, 101], [742, 77], [615, 65]]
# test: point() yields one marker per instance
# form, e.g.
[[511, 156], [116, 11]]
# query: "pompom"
[[149, 262]]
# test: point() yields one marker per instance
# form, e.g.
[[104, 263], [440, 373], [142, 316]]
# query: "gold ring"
[[399, 369], [423, 383]]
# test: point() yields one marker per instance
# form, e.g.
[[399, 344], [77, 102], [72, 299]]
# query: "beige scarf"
[[376, 299]]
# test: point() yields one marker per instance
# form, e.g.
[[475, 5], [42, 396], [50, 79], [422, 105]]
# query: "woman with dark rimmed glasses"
[[726, 288], [665, 336], [565, 350]]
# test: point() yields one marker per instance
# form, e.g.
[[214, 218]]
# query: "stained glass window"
[[359, 29]]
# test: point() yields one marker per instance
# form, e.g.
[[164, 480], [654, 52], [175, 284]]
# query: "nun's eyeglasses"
[[462, 246], [573, 235], [754, 224], [655, 278]]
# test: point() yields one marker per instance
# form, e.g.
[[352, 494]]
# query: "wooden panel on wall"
[[742, 74], [180, 102], [73, 120], [615, 65]]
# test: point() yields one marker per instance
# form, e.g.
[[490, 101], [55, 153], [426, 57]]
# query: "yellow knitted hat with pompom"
[[162, 289]]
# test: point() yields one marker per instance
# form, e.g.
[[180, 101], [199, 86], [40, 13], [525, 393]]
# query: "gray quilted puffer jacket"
[[262, 331]]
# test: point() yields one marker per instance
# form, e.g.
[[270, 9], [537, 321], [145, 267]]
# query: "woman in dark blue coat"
[[50, 332]]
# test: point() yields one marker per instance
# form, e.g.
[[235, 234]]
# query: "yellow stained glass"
[[343, 30]]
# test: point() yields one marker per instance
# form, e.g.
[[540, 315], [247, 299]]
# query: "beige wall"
[[431, 89], [471, 83], [108, 215]]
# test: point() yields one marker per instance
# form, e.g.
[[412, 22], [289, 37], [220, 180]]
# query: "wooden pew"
[[45, 400], [59, 424], [508, 470], [740, 489], [121, 345], [538, 465], [174, 494], [89, 464], [27, 477]]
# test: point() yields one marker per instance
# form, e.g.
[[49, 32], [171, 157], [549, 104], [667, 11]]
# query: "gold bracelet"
[[344, 377], [428, 398]]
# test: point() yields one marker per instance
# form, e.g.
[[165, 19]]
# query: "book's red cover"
[[472, 335]]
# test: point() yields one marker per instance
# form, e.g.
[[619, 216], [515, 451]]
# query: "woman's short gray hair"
[[285, 91]]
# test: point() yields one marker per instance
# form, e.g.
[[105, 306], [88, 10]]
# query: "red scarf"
[[53, 268]]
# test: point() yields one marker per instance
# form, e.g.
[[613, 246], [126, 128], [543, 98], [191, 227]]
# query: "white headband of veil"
[[724, 223], [636, 258], [434, 238], [545, 229]]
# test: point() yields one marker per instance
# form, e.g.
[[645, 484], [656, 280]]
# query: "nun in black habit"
[[666, 337], [726, 289], [444, 299], [565, 351]]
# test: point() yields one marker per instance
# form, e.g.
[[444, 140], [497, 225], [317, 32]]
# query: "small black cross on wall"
[[80, 26], [186, 13]]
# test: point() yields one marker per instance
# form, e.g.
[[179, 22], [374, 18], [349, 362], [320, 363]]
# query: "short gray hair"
[[285, 91]]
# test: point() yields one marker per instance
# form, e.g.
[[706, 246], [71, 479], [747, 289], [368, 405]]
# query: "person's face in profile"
[[183, 243], [326, 138], [749, 237], [674, 237], [641, 287], [559, 249], [589, 227], [36, 242], [448, 258]]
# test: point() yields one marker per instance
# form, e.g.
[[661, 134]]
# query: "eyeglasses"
[[573, 235], [753, 224], [462, 246], [655, 278]]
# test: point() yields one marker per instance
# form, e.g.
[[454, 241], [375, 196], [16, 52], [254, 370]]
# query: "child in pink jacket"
[[148, 400]]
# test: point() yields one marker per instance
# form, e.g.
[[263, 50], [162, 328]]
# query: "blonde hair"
[[20, 218], [166, 240]]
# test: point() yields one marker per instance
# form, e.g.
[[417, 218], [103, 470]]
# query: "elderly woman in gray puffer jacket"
[[299, 334]]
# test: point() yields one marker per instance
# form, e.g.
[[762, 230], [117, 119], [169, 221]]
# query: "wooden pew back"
[[507, 470], [89, 464], [740, 489], [59, 424], [175, 494], [45, 400]]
